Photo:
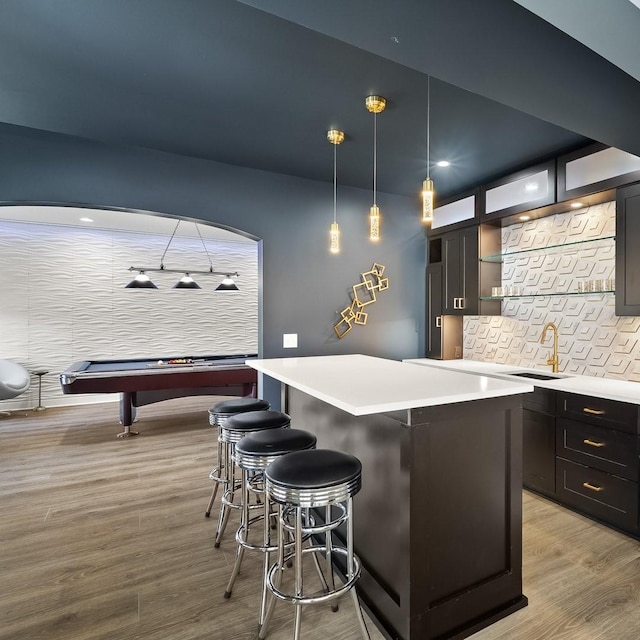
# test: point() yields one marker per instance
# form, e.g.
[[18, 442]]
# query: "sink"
[[535, 376]]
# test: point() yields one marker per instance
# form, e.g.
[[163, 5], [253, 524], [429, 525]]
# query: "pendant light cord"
[[335, 183], [168, 243], [375, 154], [428, 120], [204, 246]]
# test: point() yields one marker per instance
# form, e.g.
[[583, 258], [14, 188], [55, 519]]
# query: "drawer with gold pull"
[[601, 495], [605, 449], [622, 416]]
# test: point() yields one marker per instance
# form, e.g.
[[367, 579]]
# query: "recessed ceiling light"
[[86, 219], [523, 218], [443, 163], [576, 205], [531, 186]]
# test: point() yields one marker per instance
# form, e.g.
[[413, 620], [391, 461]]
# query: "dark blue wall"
[[303, 285]]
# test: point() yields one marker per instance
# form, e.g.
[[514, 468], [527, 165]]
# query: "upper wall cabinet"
[[456, 212], [529, 189], [595, 168], [466, 282]]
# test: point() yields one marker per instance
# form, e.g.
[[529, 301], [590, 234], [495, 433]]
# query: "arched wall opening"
[[63, 271]]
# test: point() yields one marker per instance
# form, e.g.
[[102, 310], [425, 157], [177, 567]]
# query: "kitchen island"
[[438, 522]]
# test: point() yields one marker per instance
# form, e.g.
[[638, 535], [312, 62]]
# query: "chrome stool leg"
[[275, 571], [351, 569], [216, 476], [228, 494], [298, 573], [244, 527], [328, 559]]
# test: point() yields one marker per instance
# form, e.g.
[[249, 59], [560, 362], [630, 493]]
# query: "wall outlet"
[[289, 340], [457, 351]]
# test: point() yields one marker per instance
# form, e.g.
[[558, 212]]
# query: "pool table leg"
[[127, 414]]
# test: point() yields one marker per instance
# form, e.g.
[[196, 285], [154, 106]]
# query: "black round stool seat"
[[257, 421], [314, 469], [236, 405], [257, 450]]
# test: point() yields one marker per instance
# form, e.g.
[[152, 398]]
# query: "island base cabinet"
[[601, 495], [438, 521]]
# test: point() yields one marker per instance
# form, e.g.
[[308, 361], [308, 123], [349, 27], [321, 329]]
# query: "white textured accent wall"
[[62, 299], [593, 341]]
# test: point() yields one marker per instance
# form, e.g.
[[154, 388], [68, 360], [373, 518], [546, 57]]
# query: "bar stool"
[[229, 433], [253, 454], [218, 415], [310, 480]]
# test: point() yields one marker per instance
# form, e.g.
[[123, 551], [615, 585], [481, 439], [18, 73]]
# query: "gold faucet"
[[553, 360]]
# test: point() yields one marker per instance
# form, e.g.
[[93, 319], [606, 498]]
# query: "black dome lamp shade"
[[141, 281], [186, 282], [227, 284]]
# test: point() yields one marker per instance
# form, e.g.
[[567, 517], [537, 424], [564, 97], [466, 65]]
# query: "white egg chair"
[[14, 380]]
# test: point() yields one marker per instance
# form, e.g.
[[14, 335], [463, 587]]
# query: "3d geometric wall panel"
[[593, 341], [62, 299]]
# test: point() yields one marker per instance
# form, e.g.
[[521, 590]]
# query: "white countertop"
[[362, 385], [621, 390]]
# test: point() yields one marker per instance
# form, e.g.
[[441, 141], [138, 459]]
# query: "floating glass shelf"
[[498, 257], [547, 295]]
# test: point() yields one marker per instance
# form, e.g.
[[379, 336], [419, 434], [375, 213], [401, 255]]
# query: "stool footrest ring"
[[321, 597], [311, 528]]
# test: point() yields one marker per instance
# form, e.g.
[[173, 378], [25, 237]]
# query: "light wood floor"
[[103, 538]]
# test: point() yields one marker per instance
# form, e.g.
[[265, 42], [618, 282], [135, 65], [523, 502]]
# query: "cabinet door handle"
[[455, 303], [461, 303], [593, 443], [594, 412], [593, 487], [438, 322]]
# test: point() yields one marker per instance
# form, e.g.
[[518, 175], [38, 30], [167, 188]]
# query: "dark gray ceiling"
[[258, 84]]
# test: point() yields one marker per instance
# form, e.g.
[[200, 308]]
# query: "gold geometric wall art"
[[363, 294]]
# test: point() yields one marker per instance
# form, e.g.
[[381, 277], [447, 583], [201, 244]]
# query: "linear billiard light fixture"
[[427, 184], [375, 105], [335, 137], [142, 280]]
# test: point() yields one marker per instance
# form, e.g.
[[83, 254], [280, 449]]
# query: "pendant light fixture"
[[335, 137], [142, 281], [375, 105], [427, 184], [186, 282]]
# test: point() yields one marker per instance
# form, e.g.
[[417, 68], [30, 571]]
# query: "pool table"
[[142, 381]]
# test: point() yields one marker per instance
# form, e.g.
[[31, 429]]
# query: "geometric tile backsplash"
[[592, 339], [48, 322]]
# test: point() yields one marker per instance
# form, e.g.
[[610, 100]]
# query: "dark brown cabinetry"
[[433, 313], [628, 251], [464, 278], [597, 449], [539, 441], [444, 333], [460, 272]]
